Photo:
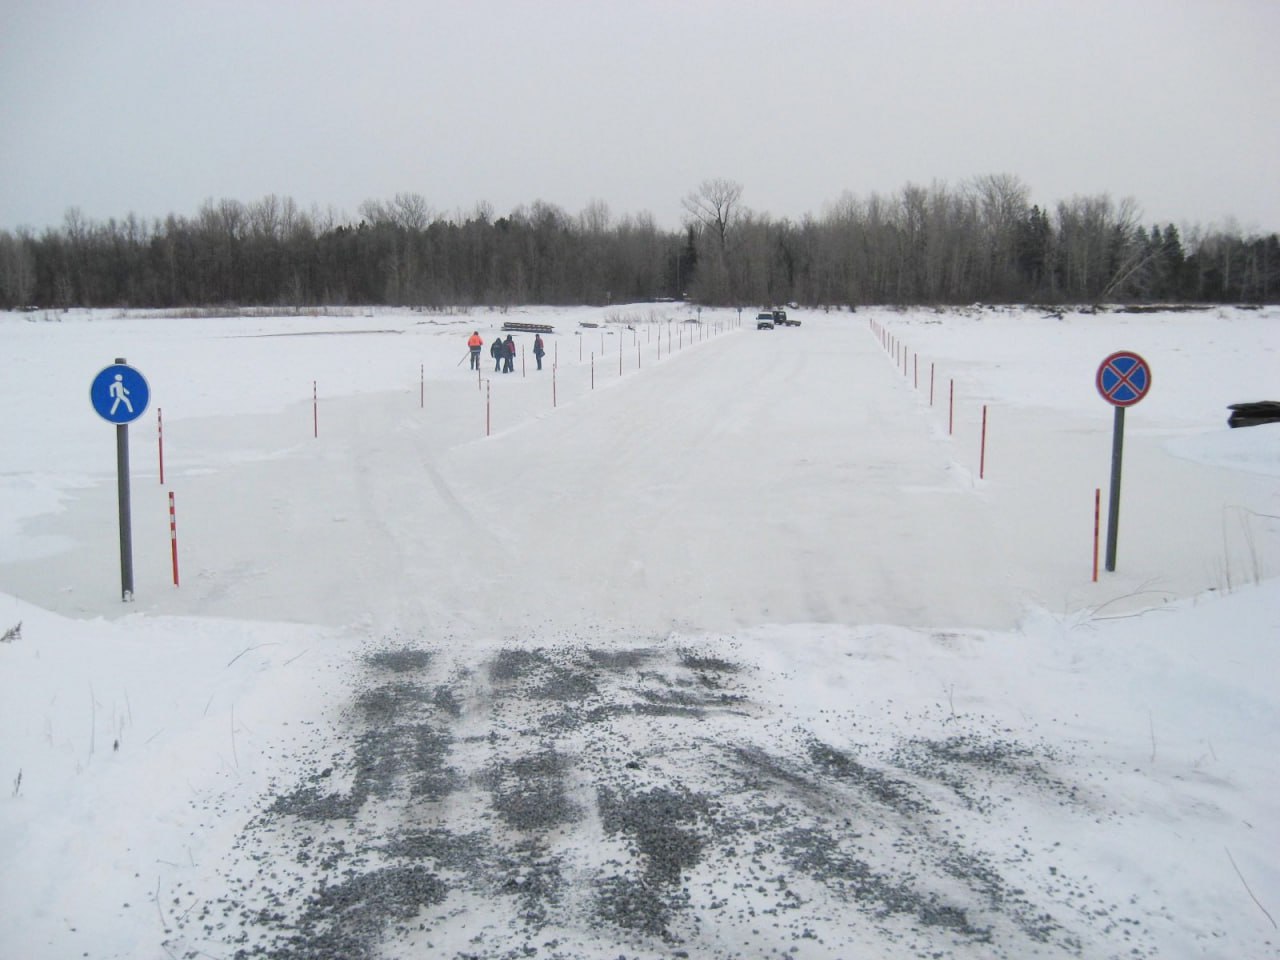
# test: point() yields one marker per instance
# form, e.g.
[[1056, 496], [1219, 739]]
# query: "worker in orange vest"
[[475, 342]]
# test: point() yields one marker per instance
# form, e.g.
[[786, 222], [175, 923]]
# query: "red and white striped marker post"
[[422, 385], [982, 455], [173, 538], [931, 371], [488, 414], [315, 412], [593, 371], [1097, 516], [554, 367], [160, 441], [951, 412]]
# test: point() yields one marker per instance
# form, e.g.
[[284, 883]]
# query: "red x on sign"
[[1124, 378]]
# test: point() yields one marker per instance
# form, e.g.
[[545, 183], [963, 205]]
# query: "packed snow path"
[[751, 477]]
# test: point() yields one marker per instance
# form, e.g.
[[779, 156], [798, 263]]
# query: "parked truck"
[[780, 319]]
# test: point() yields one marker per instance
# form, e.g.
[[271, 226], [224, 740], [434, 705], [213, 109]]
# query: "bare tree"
[[714, 205], [1095, 237], [375, 212], [593, 226], [17, 269], [1002, 202], [264, 216], [412, 211], [595, 217]]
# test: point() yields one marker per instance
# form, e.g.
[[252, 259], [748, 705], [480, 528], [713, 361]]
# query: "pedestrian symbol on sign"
[[119, 393]]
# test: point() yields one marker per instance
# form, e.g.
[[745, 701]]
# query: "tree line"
[[981, 241]]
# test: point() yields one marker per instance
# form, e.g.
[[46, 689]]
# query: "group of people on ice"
[[503, 352]]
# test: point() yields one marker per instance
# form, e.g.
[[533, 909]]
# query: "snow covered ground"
[[713, 642]]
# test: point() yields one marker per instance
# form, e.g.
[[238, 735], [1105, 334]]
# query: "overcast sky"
[[154, 107]]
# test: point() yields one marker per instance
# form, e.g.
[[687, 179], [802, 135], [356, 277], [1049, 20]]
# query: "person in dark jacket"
[[538, 349], [498, 350], [510, 346]]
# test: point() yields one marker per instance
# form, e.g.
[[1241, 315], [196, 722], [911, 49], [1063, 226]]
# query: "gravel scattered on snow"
[[575, 802]]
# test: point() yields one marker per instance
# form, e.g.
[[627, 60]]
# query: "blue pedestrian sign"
[[119, 393], [1123, 378]]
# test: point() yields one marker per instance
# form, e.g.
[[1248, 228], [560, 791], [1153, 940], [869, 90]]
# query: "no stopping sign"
[[1124, 378]]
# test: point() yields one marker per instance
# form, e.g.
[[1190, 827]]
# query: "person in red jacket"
[[509, 365], [474, 343]]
